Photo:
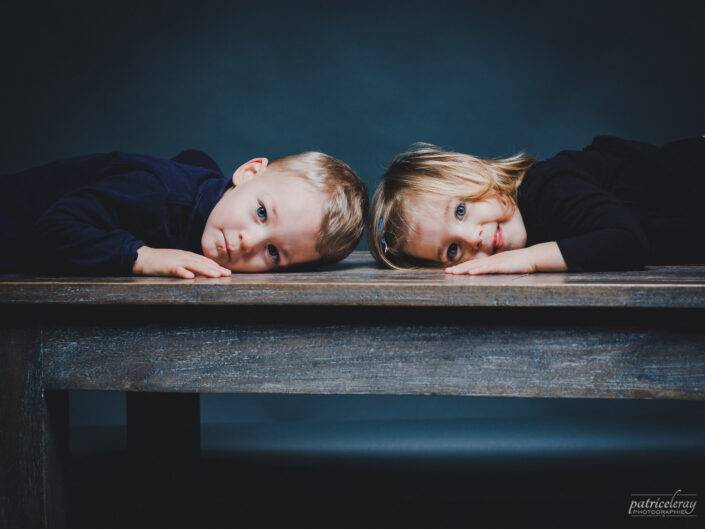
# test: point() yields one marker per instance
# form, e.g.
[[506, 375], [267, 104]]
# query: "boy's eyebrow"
[[274, 210], [276, 217], [270, 199], [286, 254]]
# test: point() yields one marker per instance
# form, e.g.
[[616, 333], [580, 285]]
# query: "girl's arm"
[[589, 229], [547, 257], [542, 257]]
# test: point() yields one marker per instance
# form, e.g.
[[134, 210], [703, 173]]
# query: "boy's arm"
[[92, 231], [86, 232]]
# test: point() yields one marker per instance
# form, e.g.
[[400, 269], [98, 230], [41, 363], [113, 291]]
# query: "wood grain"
[[33, 436], [561, 356], [358, 282]]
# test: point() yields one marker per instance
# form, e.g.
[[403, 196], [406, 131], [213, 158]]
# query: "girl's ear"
[[249, 170]]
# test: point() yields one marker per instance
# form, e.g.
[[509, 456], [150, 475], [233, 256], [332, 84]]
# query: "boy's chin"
[[212, 253]]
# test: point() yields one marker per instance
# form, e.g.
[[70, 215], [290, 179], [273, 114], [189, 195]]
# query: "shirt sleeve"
[[92, 230], [197, 158], [595, 230]]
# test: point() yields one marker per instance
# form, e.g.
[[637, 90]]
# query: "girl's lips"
[[498, 239]]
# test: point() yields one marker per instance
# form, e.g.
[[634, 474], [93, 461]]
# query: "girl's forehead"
[[428, 216], [425, 237], [426, 201]]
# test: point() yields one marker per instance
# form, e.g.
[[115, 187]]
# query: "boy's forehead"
[[298, 214], [286, 180]]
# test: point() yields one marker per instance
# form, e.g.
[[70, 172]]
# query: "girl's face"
[[450, 231]]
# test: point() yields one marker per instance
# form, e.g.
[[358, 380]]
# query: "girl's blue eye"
[[460, 210], [261, 211], [452, 251], [273, 252]]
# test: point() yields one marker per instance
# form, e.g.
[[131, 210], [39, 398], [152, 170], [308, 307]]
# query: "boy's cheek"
[[210, 250]]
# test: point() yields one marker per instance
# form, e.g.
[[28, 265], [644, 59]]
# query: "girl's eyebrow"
[[448, 208], [440, 254], [442, 249]]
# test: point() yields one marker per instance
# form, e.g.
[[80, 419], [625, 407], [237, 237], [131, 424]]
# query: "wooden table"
[[346, 329]]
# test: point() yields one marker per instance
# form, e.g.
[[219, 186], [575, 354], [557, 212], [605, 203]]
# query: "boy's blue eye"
[[261, 211], [452, 251], [460, 210], [273, 252]]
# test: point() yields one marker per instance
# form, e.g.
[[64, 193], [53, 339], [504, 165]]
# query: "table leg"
[[33, 436]]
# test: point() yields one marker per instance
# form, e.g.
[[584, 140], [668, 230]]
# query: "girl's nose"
[[475, 238]]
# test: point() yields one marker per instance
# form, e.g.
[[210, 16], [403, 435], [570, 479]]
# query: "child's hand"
[[178, 263], [517, 261]]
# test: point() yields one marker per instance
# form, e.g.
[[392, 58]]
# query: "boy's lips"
[[228, 247]]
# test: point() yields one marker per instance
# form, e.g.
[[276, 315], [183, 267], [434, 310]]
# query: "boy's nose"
[[245, 242], [249, 240]]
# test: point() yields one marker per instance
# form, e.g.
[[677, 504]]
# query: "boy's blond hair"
[[346, 206], [428, 169]]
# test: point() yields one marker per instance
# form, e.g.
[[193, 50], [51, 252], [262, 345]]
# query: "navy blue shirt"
[[619, 204], [89, 214]]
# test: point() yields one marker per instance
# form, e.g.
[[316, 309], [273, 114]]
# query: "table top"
[[357, 281]]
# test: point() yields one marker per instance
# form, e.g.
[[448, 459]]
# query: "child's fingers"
[[460, 268], [214, 266], [208, 269], [470, 268], [184, 273]]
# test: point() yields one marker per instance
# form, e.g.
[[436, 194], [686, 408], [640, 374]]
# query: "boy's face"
[[450, 231], [269, 220]]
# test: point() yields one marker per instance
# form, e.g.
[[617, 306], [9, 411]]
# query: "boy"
[[122, 214]]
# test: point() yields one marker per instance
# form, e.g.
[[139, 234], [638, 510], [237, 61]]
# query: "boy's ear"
[[249, 170]]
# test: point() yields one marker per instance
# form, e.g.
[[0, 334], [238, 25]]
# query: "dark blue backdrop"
[[359, 80]]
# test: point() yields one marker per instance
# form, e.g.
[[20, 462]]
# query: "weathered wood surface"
[[351, 328], [467, 352], [358, 282], [33, 435]]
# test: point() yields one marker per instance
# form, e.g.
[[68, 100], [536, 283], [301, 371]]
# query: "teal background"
[[358, 80]]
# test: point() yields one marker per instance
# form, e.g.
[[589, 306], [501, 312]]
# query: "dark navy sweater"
[[619, 204], [89, 214]]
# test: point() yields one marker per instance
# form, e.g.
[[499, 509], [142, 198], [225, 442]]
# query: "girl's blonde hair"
[[428, 169]]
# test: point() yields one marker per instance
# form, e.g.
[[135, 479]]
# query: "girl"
[[614, 205]]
